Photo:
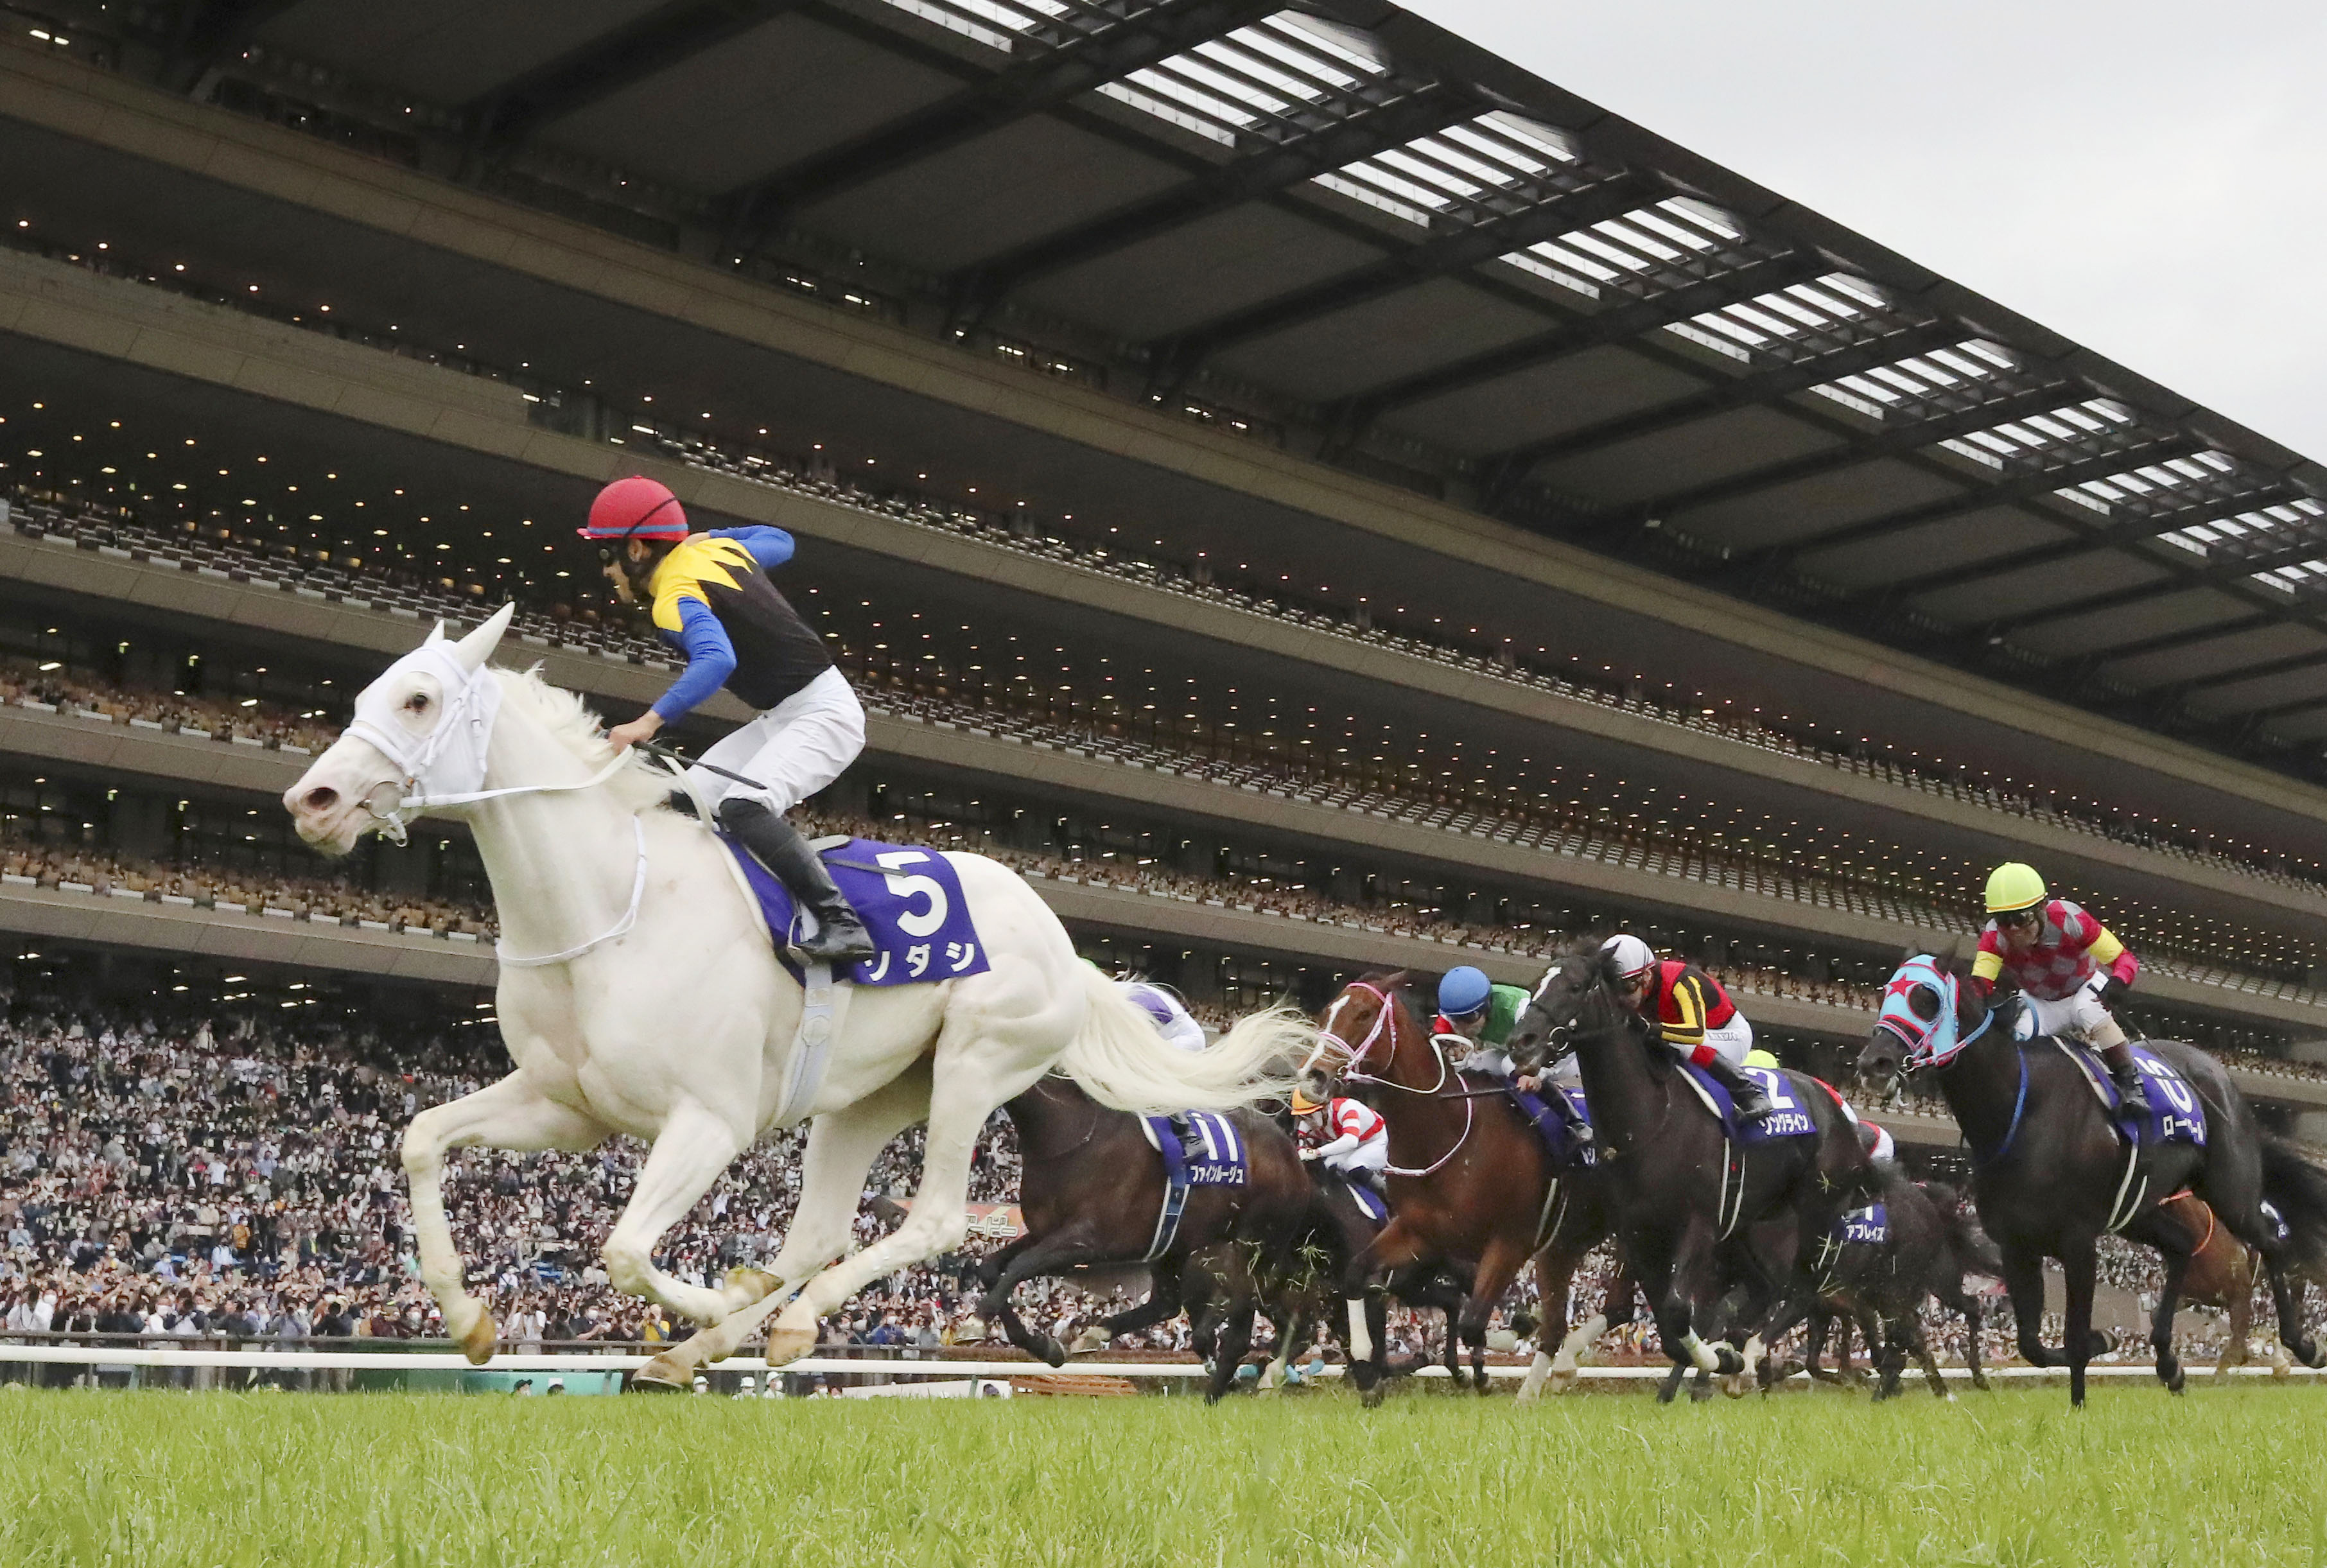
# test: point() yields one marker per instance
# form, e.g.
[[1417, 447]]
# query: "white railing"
[[111, 1358]]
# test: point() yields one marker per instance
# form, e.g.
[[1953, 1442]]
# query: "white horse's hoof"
[[666, 1374], [793, 1336], [471, 1327]]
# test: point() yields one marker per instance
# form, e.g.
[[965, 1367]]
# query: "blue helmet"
[[1463, 991]]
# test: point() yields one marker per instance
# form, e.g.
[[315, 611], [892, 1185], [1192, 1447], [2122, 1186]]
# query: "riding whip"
[[680, 759]]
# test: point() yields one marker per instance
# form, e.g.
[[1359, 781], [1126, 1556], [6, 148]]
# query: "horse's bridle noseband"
[[1354, 1058]]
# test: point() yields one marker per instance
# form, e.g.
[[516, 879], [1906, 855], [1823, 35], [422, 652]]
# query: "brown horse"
[[1092, 1197], [2222, 1275], [1469, 1179]]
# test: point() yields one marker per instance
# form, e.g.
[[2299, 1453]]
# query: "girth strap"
[[823, 1005]]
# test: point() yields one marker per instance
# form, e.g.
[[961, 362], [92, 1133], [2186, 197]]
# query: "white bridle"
[[446, 766]]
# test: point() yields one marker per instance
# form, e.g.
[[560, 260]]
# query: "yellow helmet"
[[1757, 1057], [1303, 1104], [2014, 886]]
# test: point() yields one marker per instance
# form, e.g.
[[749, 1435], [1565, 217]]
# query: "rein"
[[1386, 1022], [2019, 1101], [2019, 1108], [471, 707], [620, 928]]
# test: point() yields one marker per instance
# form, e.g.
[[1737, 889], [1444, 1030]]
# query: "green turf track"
[[2234, 1475]]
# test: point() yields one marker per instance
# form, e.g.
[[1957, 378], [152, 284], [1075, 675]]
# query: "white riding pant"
[[1373, 1154], [1730, 1040], [2079, 1015], [793, 749]]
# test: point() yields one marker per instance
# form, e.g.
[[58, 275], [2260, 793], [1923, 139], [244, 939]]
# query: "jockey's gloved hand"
[[2111, 989]]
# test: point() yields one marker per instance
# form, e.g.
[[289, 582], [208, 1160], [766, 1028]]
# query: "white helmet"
[[1632, 954]]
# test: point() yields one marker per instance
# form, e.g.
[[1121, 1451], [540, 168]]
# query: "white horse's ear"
[[474, 650], [436, 634]]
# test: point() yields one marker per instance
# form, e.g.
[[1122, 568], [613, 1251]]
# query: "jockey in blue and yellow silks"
[[711, 599]]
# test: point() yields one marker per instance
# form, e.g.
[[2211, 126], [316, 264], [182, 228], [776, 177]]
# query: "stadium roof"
[[1339, 226], [1346, 217]]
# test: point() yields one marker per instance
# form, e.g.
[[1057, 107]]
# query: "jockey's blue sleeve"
[[710, 658], [770, 546]]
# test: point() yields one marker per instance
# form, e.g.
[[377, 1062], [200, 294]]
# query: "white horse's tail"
[[1120, 1058]]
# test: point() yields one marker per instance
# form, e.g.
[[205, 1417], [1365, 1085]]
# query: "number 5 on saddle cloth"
[[910, 899]]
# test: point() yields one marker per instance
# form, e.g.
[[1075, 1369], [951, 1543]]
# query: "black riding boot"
[[1752, 1104], [1565, 1108], [840, 936], [2127, 1077]]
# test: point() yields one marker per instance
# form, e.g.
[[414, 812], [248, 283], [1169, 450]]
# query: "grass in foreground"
[[2011, 1477]]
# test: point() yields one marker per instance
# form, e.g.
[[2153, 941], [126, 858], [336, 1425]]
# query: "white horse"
[[639, 993]]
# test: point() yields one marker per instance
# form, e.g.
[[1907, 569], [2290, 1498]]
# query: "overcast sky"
[[2148, 179]]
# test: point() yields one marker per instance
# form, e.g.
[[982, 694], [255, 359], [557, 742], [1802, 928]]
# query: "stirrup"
[[834, 942]]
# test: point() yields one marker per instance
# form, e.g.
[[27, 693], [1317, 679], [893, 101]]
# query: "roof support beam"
[[2116, 535], [2192, 636], [1613, 325], [1447, 254], [1909, 435], [1767, 385], [1417, 111], [2255, 717], [2220, 574], [662, 38], [2269, 666], [1043, 81], [2021, 487]]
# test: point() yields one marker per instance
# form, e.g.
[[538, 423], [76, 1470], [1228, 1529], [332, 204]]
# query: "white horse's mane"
[[573, 724]]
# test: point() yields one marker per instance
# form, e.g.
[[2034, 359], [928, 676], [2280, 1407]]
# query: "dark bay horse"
[[1091, 1196], [2050, 1172], [1929, 1246], [1469, 1179], [1690, 1212]]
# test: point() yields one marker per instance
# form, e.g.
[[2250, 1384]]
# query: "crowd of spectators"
[[224, 1174], [194, 884], [238, 1176], [26, 683]]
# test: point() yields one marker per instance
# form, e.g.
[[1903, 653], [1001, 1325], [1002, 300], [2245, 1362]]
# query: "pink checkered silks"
[[2059, 961]]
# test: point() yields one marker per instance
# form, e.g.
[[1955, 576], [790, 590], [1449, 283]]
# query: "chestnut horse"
[[1469, 1179]]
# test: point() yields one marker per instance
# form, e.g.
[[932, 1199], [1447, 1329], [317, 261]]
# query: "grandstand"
[[1311, 495]]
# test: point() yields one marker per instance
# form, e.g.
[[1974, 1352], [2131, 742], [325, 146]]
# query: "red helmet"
[[635, 507]]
